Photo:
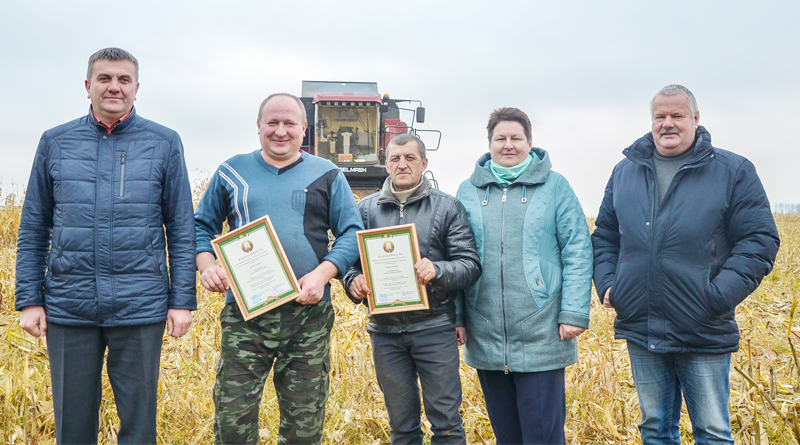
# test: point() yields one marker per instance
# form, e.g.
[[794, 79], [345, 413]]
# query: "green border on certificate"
[[388, 256], [259, 272]]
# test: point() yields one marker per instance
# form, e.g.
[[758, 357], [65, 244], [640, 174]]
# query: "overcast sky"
[[584, 71]]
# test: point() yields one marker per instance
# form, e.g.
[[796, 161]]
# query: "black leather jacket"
[[445, 237]]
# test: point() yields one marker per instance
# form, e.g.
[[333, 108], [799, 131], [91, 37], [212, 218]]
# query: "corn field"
[[601, 399]]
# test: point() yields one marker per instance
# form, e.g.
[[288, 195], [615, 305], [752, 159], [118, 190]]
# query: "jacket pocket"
[[691, 297], [614, 282], [55, 252], [610, 296], [628, 295], [151, 252], [550, 283], [541, 327], [54, 260], [475, 311], [713, 309], [612, 289], [122, 157]]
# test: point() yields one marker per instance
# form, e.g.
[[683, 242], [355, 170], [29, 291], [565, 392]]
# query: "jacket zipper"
[[502, 283], [656, 209], [403, 319], [652, 231], [122, 174]]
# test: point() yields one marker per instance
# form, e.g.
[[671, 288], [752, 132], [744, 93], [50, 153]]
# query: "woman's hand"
[[568, 331]]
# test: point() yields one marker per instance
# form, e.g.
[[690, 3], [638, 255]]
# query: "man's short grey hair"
[[671, 90], [111, 54], [297, 99], [405, 138]]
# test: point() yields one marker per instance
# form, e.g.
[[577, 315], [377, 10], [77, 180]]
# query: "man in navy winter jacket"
[[684, 234], [92, 271]]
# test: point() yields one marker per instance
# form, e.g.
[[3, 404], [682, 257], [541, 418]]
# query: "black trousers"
[[76, 364], [525, 407]]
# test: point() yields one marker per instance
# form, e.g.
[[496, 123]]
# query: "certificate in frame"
[[258, 270], [388, 256]]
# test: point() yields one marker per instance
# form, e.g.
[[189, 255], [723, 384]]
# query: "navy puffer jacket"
[[105, 202], [678, 270]]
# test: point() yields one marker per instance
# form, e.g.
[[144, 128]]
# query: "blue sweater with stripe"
[[304, 200]]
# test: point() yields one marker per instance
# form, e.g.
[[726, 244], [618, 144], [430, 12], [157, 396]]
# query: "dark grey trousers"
[[76, 364], [431, 355]]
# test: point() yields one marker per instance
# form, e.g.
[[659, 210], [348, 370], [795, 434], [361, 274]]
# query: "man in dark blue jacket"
[[92, 259], [684, 234]]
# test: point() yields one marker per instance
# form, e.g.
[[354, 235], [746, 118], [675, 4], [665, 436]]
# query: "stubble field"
[[601, 399]]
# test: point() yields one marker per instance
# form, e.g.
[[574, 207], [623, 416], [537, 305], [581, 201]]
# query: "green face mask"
[[504, 175]]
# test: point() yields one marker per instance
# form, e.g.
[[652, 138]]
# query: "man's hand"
[[461, 334], [215, 279], [32, 320], [567, 331], [178, 322], [312, 284], [425, 271], [358, 287], [212, 275], [606, 301]]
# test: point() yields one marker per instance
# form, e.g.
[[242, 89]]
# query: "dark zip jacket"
[[677, 270], [98, 212], [445, 238]]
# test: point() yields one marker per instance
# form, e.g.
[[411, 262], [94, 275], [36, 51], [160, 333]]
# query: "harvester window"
[[347, 133]]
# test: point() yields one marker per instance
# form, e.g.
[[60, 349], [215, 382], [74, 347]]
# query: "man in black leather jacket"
[[422, 343]]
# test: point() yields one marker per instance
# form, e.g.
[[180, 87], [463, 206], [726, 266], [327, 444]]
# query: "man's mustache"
[[669, 131]]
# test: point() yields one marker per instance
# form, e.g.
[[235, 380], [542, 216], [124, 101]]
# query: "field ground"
[[602, 405]]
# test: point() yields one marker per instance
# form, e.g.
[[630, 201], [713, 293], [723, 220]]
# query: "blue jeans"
[[431, 354], [705, 383]]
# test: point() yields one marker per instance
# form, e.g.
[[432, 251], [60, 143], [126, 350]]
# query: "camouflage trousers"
[[296, 340]]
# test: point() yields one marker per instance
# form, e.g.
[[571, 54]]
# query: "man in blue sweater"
[[92, 259], [304, 196], [684, 234]]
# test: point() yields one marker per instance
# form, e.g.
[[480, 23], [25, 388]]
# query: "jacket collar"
[[535, 174], [641, 151], [387, 197], [122, 126]]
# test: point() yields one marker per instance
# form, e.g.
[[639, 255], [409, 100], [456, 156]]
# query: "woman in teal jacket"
[[524, 314]]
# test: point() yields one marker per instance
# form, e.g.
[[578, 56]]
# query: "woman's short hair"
[[509, 114]]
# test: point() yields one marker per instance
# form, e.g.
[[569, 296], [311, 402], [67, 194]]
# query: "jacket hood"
[[641, 151], [387, 196], [535, 174]]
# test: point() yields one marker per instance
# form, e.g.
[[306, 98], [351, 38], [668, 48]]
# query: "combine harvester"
[[350, 124]]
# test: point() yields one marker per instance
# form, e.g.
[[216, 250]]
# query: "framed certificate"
[[388, 256], [260, 274]]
